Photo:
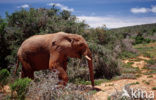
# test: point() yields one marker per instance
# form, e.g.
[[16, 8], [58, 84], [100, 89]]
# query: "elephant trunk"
[[88, 56]]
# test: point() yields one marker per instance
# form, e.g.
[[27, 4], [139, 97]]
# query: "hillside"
[[147, 31], [145, 28]]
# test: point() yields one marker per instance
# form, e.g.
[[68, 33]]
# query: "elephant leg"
[[23, 73], [55, 63], [65, 66], [27, 70], [62, 76], [29, 74]]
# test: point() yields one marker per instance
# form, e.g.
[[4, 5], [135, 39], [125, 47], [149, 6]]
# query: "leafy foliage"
[[4, 74], [4, 45], [140, 39], [20, 86], [105, 64], [154, 88]]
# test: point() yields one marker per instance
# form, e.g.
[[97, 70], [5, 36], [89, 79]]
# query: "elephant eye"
[[53, 43], [81, 45]]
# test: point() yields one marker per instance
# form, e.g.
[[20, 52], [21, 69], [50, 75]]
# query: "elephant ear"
[[63, 43]]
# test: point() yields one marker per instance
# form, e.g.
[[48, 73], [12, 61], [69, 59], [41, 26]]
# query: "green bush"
[[4, 74], [105, 63], [147, 40], [141, 39], [153, 88], [106, 67], [4, 45], [20, 86], [77, 70], [151, 61]]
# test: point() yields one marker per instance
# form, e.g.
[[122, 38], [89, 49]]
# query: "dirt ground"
[[144, 82]]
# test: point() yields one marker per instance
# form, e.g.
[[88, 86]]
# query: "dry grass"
[[45, 88]]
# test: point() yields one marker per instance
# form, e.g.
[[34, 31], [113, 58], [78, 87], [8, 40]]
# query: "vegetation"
[[150, 76], [146, 82], [148, 50], [146, 31], [140, 39], [4, 45], [4, 74], [135, 83], [44, 88], [20, 86], [154, 88], [151, 62]]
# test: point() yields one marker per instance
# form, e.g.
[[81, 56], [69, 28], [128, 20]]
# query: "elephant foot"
[[63, 78], [62, 83], [60, 87]]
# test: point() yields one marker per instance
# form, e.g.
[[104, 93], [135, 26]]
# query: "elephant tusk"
[[87, 57]]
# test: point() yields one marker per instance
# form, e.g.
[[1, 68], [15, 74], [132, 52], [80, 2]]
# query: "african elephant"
[[51, 51]]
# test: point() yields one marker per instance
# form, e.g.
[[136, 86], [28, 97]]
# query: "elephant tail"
[[17, 65]]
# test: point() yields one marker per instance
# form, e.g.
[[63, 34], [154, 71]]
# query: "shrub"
[[20, 86], [4, 74], [4, 45], [78, 70], [127, 45], [106, 67], [44, 88], [140, 39], [153, 88], [151, 61], [105, 64]]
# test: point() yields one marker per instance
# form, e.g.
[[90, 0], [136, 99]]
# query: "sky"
[[96, 13]]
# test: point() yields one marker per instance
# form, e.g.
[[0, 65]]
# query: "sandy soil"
[[145, 83]]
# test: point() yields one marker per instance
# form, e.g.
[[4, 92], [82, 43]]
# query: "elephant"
[[51, 51]]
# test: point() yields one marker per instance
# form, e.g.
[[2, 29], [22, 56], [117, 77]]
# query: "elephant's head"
[[75, 46]]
